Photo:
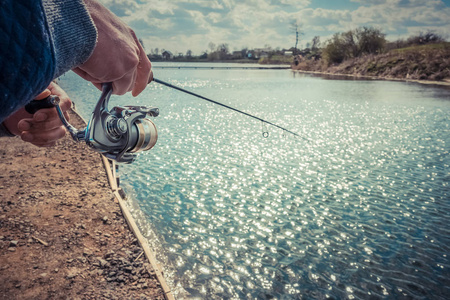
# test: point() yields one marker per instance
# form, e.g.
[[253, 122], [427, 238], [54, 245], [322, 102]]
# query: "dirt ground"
[[62, 233]]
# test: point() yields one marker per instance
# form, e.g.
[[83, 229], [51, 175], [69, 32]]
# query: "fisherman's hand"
[[43, 128], [118, 56]]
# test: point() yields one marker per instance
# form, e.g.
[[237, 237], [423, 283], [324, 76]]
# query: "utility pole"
[[295, 28]]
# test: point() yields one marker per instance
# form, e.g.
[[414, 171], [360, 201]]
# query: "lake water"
[[359, 210]]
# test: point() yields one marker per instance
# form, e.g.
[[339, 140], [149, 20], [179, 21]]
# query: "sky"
[[182, 25]]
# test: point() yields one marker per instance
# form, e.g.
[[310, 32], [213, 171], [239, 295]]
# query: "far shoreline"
[[368, 77], [258, 66]]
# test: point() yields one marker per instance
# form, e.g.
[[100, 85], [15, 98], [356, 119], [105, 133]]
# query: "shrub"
[[354, 43]]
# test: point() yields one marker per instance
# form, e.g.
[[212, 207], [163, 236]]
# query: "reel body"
[[119, 134]]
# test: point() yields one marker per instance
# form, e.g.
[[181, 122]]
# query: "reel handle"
[[53, 101]]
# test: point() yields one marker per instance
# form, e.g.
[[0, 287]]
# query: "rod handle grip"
[[36, 105]]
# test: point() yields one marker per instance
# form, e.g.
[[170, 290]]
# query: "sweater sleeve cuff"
[[4, 131], [73, 32]]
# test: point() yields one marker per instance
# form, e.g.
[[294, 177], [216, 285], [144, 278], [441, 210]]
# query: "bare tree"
[[315, 43], [142, 43], [212, 46], [223, 51]]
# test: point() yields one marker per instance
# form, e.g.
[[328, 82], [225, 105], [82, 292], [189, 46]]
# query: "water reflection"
[[358, 212]]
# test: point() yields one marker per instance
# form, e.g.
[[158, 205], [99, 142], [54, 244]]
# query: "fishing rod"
[[227, 106], [121, 132]]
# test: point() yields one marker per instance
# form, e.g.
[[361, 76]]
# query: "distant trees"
[[315, 43], [368, 40], [142, 43], [342, 46], [353, 43], [220, 53], [428, 37]]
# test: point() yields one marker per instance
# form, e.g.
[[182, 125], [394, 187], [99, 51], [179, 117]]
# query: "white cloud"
[[399, 15], [192, 24]]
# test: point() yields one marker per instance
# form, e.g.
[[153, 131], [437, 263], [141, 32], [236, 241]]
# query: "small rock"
[[13, 243], [87, 252], [11, 249], [105, 219], [72, 274], [112, 274], [103, 263]]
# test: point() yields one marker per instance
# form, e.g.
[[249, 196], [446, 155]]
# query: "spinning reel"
[[118, 133]]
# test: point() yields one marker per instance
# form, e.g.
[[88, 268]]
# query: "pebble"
[[103, 263], [87, 252], [13, 243], [72, 274]]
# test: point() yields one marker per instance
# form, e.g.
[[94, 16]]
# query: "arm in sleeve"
[[39, 41], [72, 31]]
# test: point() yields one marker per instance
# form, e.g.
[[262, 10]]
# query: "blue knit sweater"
[[39, 41]]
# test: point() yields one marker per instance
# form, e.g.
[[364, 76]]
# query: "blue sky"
[[182, 25]]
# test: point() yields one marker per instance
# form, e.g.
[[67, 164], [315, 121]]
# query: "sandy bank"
[[62, 233]]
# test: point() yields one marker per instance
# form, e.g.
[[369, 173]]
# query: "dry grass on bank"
[[425, 62]]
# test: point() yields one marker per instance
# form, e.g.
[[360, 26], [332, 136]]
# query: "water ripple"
[[360, 212]]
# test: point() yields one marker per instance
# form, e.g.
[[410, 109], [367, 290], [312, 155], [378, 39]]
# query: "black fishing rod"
[[226, 106]]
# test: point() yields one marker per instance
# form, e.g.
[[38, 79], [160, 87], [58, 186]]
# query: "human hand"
[[118, 56], [43, 128]]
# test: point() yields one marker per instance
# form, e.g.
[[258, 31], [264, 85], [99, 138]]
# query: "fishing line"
[[265, 134]]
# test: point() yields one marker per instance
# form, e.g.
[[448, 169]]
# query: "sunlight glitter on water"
[[360, 210]]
